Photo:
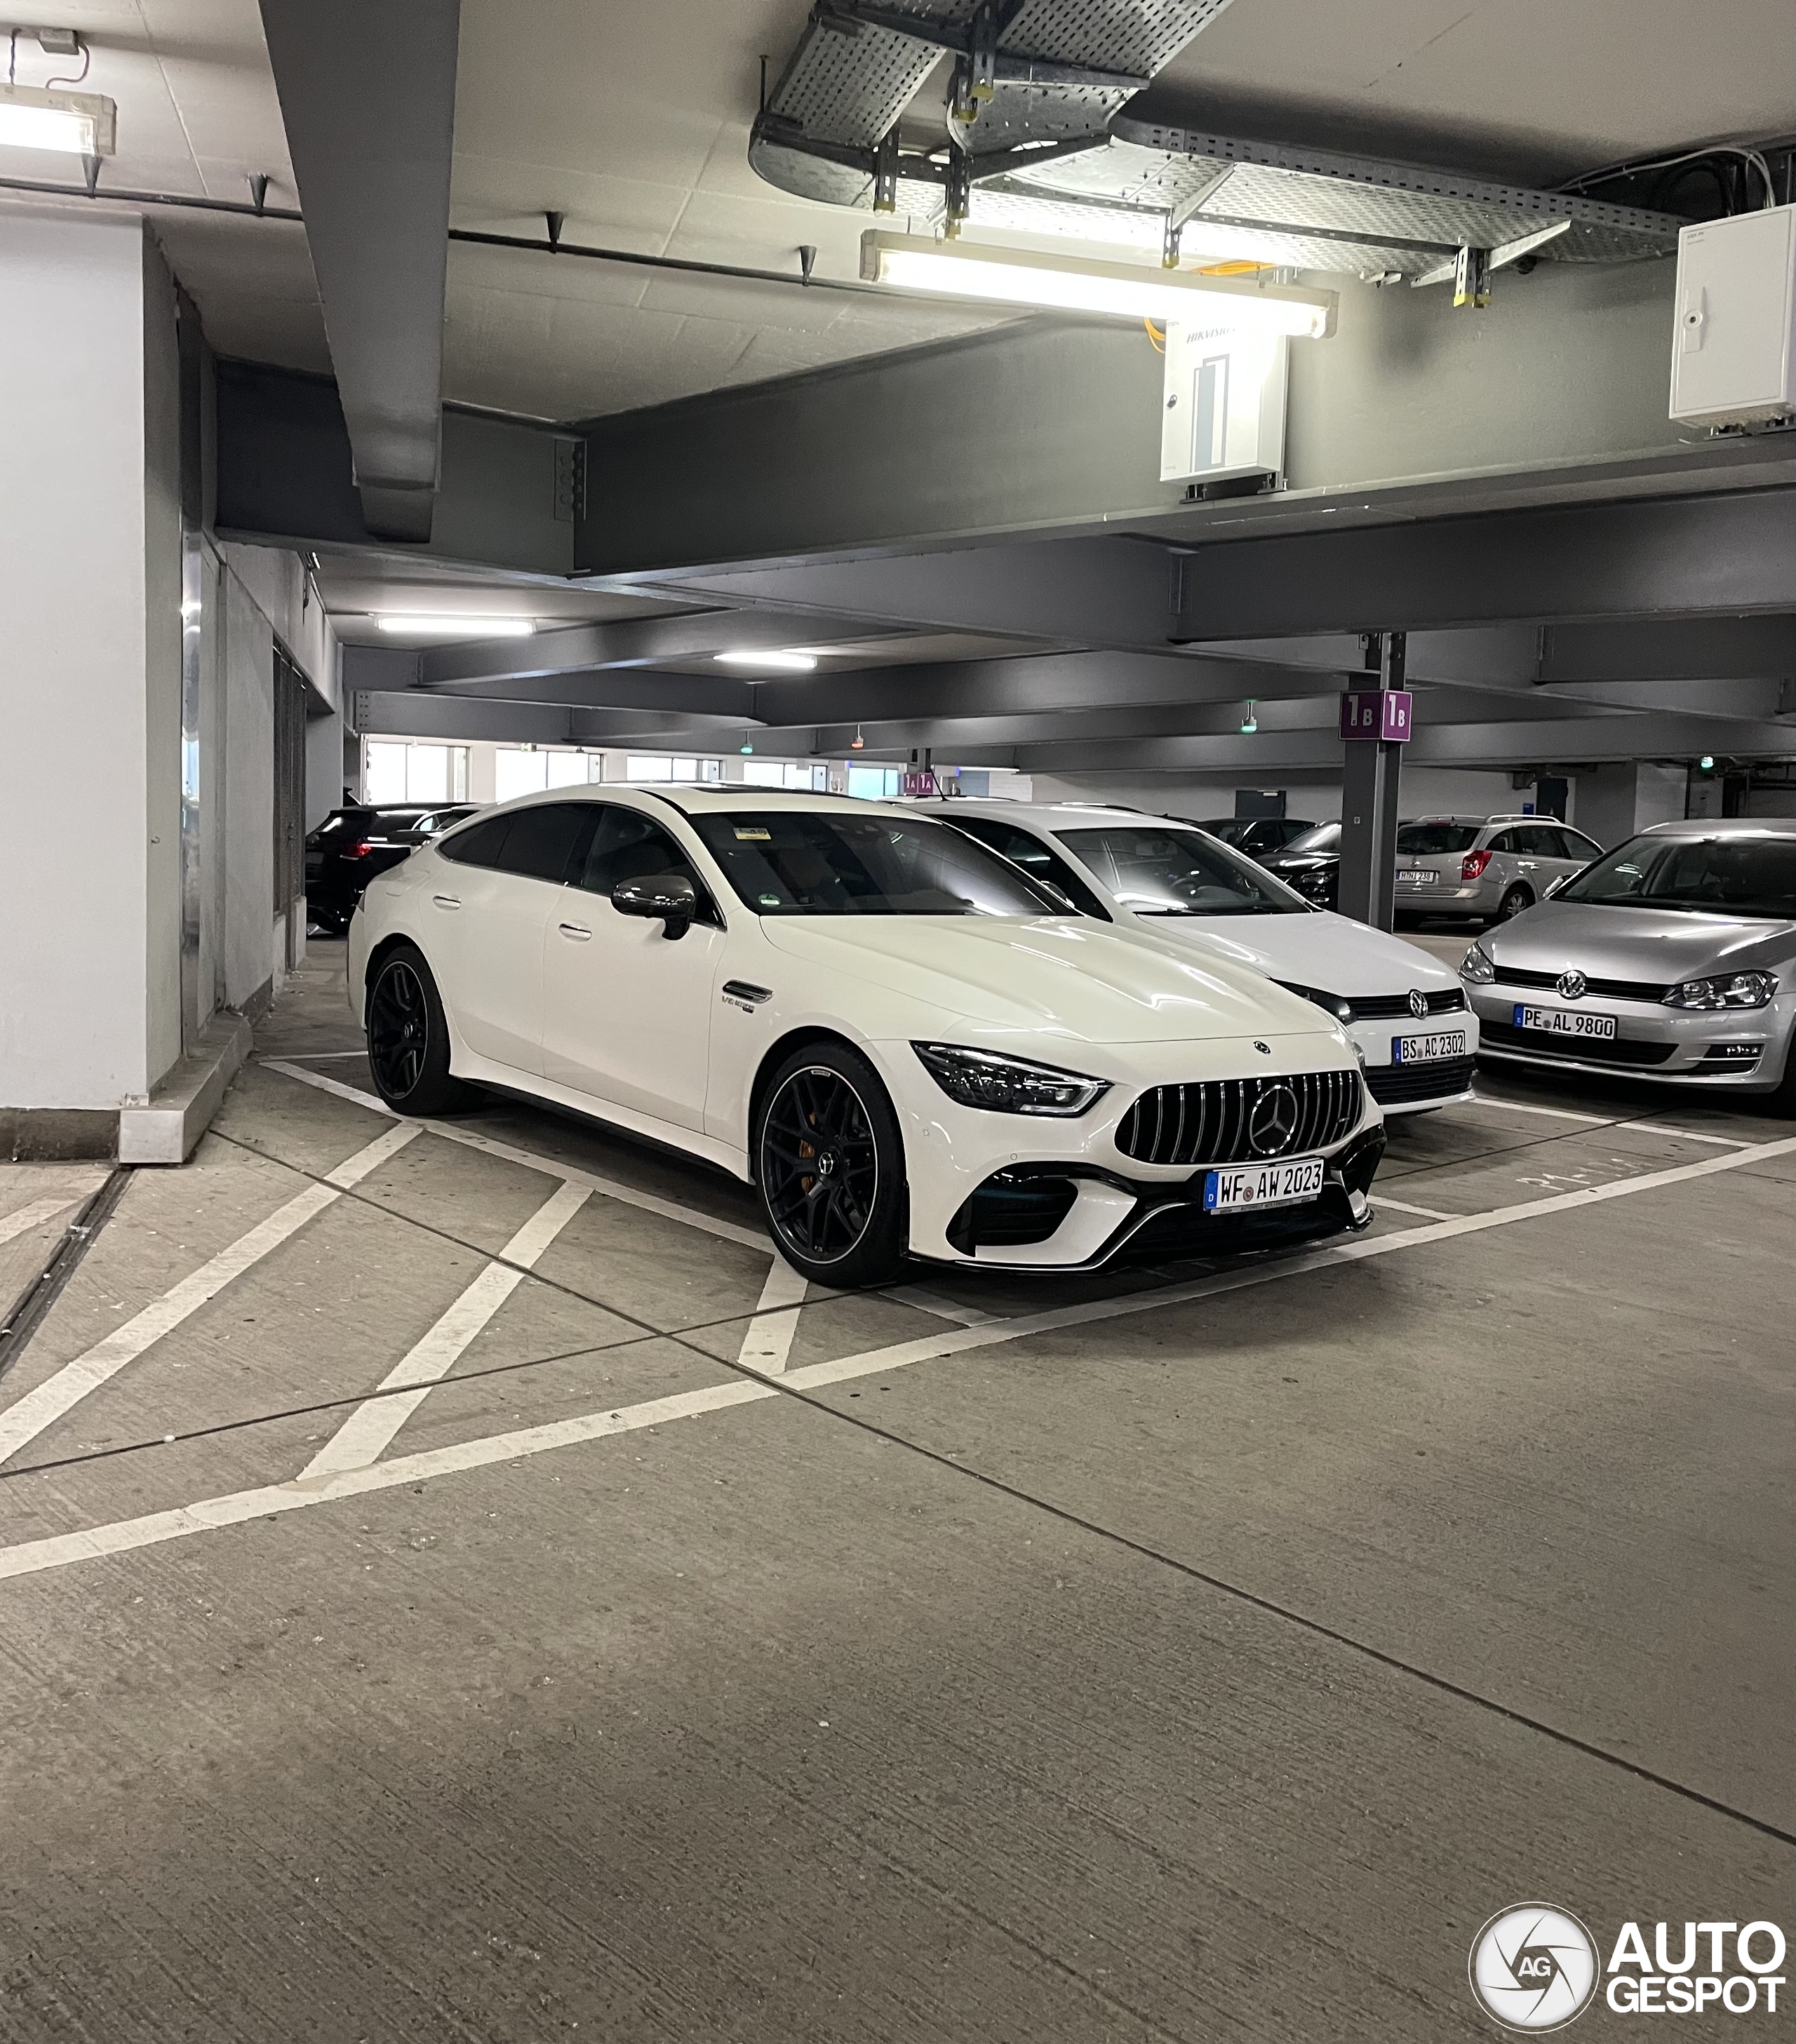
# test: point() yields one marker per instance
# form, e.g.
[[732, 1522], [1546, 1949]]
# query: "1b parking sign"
[[1383, 713]]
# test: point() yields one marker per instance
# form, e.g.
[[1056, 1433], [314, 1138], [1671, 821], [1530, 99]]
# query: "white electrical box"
[[1225, 404], [1733, 355]]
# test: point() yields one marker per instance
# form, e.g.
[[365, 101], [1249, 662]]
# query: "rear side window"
[[1578, 846], [480, 844], [1033, 856], [542, 839]]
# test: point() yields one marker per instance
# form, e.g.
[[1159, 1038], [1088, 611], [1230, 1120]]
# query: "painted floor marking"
[[768, 1342], [23, 1219], [365, 1434], [27, 1417], [1403, 1206], [928, 1300], [1605, 1121], [569, 1173], [60, 1549]]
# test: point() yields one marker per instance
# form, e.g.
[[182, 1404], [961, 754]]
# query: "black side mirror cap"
[[669, 896]]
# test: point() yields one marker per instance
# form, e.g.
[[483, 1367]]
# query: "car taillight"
[[358, 851], [1472, 865]]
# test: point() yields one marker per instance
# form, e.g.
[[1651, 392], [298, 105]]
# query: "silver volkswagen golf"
[[1671, 957]]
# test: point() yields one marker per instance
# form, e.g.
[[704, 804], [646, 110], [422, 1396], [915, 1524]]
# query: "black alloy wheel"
[[408, 1039], [828, 1165]]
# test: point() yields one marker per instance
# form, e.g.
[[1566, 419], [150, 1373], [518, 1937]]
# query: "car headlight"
[[1476, 968], [1007, 1086], [1342, 1010], [1733, 989]]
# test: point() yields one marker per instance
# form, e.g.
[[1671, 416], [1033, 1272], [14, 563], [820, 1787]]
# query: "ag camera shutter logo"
[[1533, 1968]]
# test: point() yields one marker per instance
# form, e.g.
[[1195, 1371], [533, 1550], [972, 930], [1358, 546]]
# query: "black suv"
[[351, 846], [1256, 835]]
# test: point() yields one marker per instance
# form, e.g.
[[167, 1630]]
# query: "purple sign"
[[1383, 713], [920, 784]]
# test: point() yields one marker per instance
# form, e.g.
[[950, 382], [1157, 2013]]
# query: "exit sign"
[[1384, 713]]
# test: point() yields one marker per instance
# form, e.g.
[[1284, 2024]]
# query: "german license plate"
[[1285, 1184], [1417, 876], [1425, 1049], [1563, 1021]]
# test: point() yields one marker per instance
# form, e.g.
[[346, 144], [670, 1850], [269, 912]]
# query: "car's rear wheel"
[[829, 1166], [1512, 904], [408, 1038]]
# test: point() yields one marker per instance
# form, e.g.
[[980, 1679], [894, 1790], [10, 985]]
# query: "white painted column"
[[90, 665]]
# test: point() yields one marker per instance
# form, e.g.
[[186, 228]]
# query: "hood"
[[1281, 861], [1332, 953], [1661, 945], [1079, 978]]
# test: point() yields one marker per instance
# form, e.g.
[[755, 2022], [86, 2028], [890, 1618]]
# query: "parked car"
[[1671, 957], [352, 845], [1403, 1009], [1488, 867], [907, 1044], [1254, 835], [1310, 863]]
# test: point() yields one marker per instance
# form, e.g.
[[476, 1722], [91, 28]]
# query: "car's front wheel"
[[829, 1167], [408, 1038]]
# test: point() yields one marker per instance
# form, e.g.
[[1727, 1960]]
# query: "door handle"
[[579, 931], [446, 900]]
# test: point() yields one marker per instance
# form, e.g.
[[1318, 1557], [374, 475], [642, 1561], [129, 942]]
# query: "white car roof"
[[1724, 826]]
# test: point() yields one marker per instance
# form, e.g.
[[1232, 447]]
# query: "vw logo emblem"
[[1573, 986], [1418, 1003], [1273, 1122]]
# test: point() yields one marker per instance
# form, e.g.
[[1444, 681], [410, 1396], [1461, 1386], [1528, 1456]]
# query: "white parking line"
[[768, 1342], [928, 1300], [60, 1549], [47, 1402], [365, 1433], [1607, 1121], [23, 1219], [1403, 1206], [569, 1173]]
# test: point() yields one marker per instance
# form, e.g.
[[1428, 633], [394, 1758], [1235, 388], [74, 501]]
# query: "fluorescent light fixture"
[[74, 124], [775, 660], [1068, 283], [455, 624]]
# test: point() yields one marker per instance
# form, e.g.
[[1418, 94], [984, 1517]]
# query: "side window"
[[1029, 852], [1504, 841], [1578, 847], [1543, 841], [629, 846], [480, 844], [542, 839]]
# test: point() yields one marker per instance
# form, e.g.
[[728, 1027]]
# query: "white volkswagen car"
[[1405, 1010], [902, 1040]]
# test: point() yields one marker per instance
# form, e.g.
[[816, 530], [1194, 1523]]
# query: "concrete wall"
[[87, 1016], [248, 691]]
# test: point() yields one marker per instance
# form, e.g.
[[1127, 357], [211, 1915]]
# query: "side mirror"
[[1557, 885], [668, 895]]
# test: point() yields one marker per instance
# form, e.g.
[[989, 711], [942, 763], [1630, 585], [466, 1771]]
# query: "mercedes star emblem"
[[1273, 1122], [1266, 1048], [1573, 986]]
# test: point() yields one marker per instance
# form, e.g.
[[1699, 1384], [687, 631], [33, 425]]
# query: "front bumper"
[[1415, 1088], [980, 1182], [1741, 1050]]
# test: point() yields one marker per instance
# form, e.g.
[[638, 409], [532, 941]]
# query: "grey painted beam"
[[368, 101], [1670, 649], [630, 641]]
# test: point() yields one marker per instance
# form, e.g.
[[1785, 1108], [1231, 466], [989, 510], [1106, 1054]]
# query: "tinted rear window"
[[1428, 840], [480, 844], [542, 839]]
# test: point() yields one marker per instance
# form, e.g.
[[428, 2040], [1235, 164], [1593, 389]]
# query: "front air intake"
[[1234, 1121]]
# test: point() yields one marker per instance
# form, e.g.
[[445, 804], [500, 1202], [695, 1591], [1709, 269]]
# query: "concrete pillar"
[[90, 649], [1615, 800], [1370, 782]]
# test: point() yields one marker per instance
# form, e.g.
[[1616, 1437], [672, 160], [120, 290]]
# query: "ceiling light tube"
[[73, 124], [453, 624], [1068, 283], [779, 661]]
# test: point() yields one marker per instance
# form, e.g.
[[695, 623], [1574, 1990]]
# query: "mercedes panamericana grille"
[[908, 1045]]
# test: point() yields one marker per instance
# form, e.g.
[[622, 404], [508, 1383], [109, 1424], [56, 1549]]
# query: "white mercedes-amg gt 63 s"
[[1405, 1010], [905, 1043]]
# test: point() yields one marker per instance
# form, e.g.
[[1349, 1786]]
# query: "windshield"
[[1727, 876], [1429, 840], [1319, 837], [1179, 872], [807, 862]]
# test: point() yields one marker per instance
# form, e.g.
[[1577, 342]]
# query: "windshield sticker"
[[753, 834]]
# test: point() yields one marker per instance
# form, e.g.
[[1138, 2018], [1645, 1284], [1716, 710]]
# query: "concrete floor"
[[1189, 1654]]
